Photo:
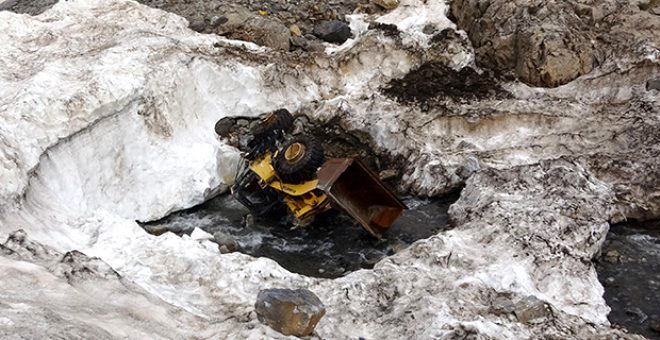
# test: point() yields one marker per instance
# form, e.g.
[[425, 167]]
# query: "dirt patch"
[[434, 82]]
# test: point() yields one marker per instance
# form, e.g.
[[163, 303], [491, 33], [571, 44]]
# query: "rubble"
[[290, 312]]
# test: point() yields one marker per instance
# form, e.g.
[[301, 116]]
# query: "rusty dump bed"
[[358, 191]]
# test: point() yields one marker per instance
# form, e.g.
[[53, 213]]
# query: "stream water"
[[629, 269], [332, 246]]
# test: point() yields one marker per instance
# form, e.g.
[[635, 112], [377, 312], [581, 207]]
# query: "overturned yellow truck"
[[279, 168]]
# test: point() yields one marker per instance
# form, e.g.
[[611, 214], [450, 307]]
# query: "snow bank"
[[106, 116]]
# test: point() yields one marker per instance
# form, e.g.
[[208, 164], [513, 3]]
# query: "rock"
[[613, 256], [387, 4], [502, 304], [236, 22], [653, 84], [227, 241], [544, 45], [265, 31], [530, 309], [388, 174], [295, 31], [290, 312], [334, 31], [155, 229]]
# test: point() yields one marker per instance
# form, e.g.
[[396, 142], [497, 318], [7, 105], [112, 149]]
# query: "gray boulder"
[[290, 312], [335, 31]]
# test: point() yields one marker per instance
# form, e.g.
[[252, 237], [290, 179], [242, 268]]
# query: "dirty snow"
[[106, 116]]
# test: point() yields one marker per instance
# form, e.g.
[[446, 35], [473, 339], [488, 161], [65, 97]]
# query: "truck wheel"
[[277, 120], [225, 126], [299, 159]]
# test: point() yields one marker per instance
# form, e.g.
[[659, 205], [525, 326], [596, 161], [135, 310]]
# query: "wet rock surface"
[[290, 312], [629, 268]]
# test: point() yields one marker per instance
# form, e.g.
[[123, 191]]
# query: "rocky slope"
[[106, 117]]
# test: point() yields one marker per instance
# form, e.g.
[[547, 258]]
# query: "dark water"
[[629, 269], [332, 246]]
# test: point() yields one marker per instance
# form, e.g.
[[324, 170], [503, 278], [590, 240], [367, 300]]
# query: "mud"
[[434, 82], [629, 269], [332, 246]]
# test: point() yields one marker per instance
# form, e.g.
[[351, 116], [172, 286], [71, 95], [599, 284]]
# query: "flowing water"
[[332, 246], [629, 269]]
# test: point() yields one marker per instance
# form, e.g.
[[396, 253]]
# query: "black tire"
[[278, 120], [225, 126], [303, 167]]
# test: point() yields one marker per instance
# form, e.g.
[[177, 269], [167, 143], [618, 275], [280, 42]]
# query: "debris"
[[502, 304], [538, 55], [334, 31], [290, 312]]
